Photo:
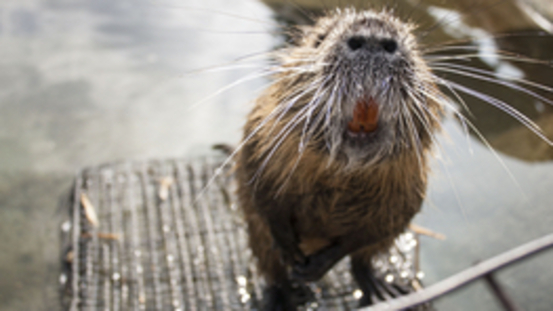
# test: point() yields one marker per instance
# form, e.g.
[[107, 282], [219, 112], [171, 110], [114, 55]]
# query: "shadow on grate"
[[167, 235]]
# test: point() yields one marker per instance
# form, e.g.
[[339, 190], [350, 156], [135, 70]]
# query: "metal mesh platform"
[[152, 236]]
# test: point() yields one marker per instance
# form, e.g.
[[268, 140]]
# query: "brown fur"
[[327, 201], [321, 200]]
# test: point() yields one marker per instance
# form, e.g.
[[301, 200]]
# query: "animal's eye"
[[320, 38]]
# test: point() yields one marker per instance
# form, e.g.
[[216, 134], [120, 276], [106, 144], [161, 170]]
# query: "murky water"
[[87, 82]]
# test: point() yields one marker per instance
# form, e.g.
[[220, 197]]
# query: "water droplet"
[[357, 294], [404, 274], [66, 226], [242, 281], [63, 279], [116, 276], [245, 298], [170, 258], [139, 269], [389, 278], [166, 228], [420, 275], [540, 107], [393, 259]]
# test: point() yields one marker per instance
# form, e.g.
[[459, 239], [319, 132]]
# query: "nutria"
[[334, 159]]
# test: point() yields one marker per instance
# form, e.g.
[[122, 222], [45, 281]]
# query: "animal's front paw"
[[316, 265], [286, 298], [287, 244], [277, 298], [290, 254]]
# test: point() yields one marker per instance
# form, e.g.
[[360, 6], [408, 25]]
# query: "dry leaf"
[[89, 210], [102, 235], [164, 184], [423, 231]]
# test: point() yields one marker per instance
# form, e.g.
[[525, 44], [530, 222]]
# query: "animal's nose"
[[359, 42]]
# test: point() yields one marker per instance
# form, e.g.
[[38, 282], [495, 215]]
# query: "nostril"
[[356, 43], [389, 45]]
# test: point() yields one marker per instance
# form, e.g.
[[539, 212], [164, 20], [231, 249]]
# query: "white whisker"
[[527, 122], [495, 81], [483, 74], [230, 86]]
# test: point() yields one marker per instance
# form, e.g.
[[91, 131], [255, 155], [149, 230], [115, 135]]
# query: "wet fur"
[[307, 193]]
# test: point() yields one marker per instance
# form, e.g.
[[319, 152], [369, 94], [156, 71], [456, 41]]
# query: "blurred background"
[[86, 82]]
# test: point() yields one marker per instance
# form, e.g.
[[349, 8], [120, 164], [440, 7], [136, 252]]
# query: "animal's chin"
[[362, 148], [361, 140], [360, 137], [355, 149]]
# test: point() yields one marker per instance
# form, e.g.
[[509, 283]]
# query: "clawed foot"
[[374, 289], [286, 298], [316, 265]]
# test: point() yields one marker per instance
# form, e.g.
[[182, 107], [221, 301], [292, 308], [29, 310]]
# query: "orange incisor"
[[365, 116]]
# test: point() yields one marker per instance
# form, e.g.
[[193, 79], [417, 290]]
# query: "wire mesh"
[[167, 235]]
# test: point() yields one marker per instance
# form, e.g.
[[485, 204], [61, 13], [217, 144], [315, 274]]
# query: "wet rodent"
[[334, 156]]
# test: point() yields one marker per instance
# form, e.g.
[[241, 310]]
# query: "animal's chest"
[[356, 206], [334, 211], [323, 218]]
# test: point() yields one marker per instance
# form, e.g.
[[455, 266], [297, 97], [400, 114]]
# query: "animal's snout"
[[371, 44]]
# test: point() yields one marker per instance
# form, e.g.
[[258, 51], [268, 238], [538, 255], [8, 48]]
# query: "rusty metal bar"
[[191, 301], [75, 249]]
